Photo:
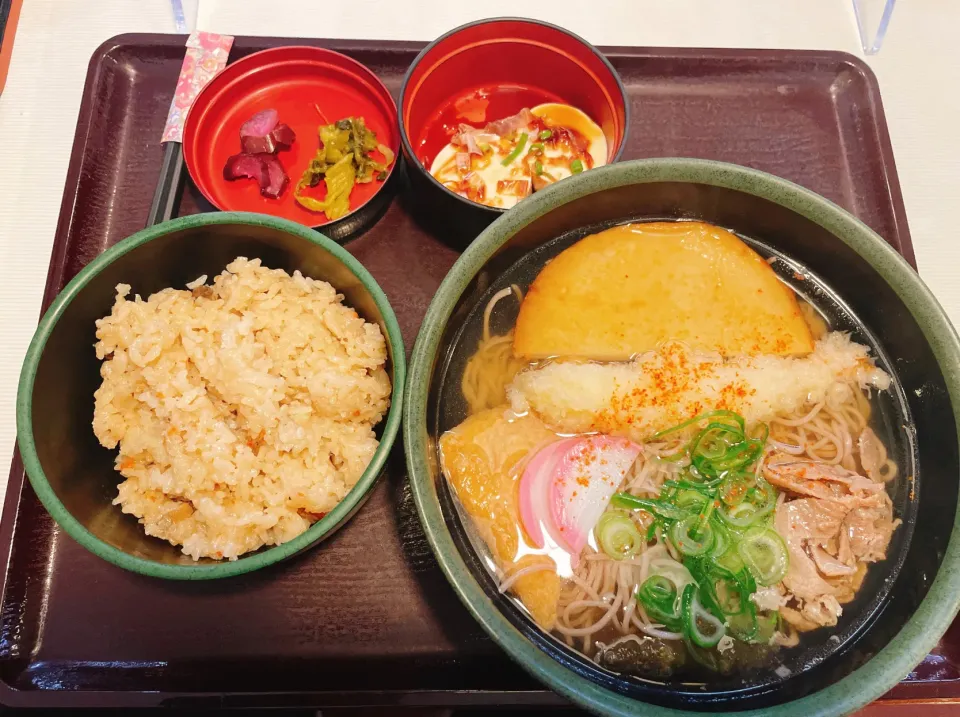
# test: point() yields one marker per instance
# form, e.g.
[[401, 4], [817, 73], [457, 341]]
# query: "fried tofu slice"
[[628, 289], [480, 459]]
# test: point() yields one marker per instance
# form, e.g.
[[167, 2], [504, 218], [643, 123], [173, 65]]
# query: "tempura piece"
[[674, 383]]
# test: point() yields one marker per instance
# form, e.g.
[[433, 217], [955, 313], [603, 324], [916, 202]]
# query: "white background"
[[918, 70]]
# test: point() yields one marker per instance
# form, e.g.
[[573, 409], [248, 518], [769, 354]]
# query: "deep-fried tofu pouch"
[[628, 289], [480, 459]]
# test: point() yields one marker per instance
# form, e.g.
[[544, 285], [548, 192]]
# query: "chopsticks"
[[166, 198], [206, 54]]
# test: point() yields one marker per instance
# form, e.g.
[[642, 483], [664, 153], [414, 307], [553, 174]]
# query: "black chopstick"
[[166, 198]]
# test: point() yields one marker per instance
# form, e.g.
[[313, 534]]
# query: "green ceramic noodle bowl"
[[908, 601], [73, 475]]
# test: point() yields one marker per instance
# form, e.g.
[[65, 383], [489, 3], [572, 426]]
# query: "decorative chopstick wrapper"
[[206, 55]]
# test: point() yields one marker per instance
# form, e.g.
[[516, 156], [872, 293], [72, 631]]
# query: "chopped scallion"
[[516, 150], [618, 536]]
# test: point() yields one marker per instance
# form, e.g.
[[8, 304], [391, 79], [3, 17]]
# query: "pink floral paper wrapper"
[[206, 55]]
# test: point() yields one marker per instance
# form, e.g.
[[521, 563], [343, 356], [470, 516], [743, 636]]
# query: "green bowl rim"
[[203, 571], [937, 610]]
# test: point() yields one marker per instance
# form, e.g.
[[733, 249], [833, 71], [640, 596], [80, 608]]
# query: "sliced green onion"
[[703, 488], [720, 591], [652, 531], [765, 555], [723, 541], [716, 513], [763, 495], [668, 567], [720, 448], [740, 516], [766, 626], [545, 134], [576, 166], [516, 150], [731, 561], [658, 595], [689, 539], [537, 167], [759, 501], [743, 626], [696, 618], [691, 500], [618, 536], [536, 148], [734, 487], [719, 414], [707, 513], [658, 508]]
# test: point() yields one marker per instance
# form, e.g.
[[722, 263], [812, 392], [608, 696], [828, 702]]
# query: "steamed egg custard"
[[670, 487], [508, 159]]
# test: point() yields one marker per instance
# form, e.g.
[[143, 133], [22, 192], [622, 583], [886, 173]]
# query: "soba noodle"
[[490, 370]]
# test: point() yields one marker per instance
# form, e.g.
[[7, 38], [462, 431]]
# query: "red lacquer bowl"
[[488, 70], [296, 81]]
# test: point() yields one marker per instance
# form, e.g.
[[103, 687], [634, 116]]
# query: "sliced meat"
[[804, 478], [844, 553], [813, 519], [818, 480], [845, 587], [869, 529], [873, 457], [828, 564], [769, 598], [802, 578], [824, 611], [472, 137], [508, 125], [797, 619]]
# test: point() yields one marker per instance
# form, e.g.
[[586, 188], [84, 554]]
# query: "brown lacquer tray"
[[367, 618]]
